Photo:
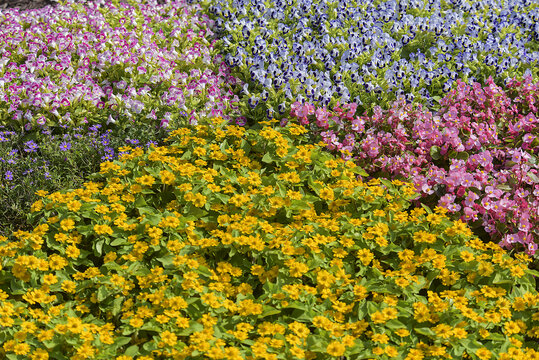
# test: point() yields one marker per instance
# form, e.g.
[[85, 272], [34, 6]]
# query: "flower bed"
[[369, 52], [103, 63], [77, 93], [256, 242], [477, 157], [232, 243]]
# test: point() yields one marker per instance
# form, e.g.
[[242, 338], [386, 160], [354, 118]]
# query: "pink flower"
[[322, 118], [469, 214], [532, 248]]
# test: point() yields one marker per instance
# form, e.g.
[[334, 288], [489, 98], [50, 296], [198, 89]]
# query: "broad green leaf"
[[132, 351], [435, 152]]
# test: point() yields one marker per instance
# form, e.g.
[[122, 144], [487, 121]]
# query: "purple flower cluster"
[[110, 63], [477, 156], [369, 52]]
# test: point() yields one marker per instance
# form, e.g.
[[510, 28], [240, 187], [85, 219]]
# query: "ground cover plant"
[[106, 62], [256, 242], [79, 81], [476, 157], [231, 243], [369, 52], [52, 158]]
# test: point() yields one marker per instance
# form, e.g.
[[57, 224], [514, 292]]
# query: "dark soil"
[[25, 4]]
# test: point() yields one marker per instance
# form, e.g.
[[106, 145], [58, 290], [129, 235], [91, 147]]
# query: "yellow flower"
[[459, 228], [21, 349], [415, 354], [167, 177], [365, 256], [102, 209], [301, 330], [146, 180], [327, 194], [199, 200], [380, 338], [511, 328], [424, 237], [517, 271], [69, 286], [67, 224], [40, 354], [74, 205], [378, 317], [391, 351], [402, 282], [86, 351], [483, 354], [136, 322], [56, 262], [72, 252], [103, 229], [169, 338], [467, 256], [50, 279], [443, 330], [335, 349]]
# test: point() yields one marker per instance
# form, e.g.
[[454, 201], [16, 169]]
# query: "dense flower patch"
[[476, 157], [106, 62], [54, 159], [231, 243], [368, 52], [79, 81], [257, 243]]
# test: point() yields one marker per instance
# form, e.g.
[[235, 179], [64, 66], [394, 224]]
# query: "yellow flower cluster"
[[230, 259]]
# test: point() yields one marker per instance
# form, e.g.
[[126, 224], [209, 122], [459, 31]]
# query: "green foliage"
[[63, 159], [233, 243]]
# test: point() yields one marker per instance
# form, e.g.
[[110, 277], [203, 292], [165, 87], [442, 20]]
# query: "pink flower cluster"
[[477, 156], [60, 65]]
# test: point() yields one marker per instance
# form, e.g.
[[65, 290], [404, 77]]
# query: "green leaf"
[[119, 242], [435, 152], [504, 187], [297, 305], [122, 340], [360, 171], [268, 311], [102, 293], [117, 305], [267, 158], [463, 155], [371, 308], [98, 246], [394, 324], [299, 205], [533, 177], [425, 331], [204, 271], [132, 351]]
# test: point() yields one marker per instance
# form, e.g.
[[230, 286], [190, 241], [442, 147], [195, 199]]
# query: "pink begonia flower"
[[351, 107], [492, 192], [487, 203], [446, 200], [405, 135], [469, 214], [427, 189], [322, 118], [532, 248]]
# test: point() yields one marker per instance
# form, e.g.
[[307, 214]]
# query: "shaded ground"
[[25, 4]]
